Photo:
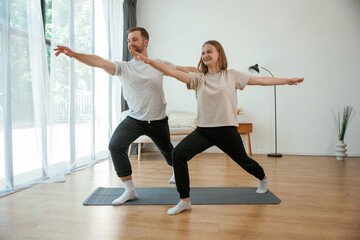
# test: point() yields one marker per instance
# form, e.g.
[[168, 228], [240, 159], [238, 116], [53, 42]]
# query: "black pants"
[[128, 131], [226, 138]]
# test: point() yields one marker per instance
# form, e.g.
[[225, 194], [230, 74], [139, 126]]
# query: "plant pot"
[[340, 150]]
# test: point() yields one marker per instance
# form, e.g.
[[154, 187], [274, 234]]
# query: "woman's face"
[[209, 55]]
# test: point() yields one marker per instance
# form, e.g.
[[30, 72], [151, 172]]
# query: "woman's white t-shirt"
[[216, 96]]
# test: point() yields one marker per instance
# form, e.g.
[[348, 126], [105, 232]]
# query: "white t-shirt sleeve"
[[194, 80], [166, 62], [118, 68], [241, 79]]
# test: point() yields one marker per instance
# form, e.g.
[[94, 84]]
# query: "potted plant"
[[342, 123]]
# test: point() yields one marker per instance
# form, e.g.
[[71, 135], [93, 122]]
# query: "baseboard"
[[150, 147]]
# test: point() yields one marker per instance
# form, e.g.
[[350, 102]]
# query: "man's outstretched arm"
[[88, 59]]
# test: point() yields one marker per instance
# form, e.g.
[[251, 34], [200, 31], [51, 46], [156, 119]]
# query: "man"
[[144, 93]]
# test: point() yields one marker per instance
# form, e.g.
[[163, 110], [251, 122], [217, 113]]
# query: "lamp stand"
[[276, 154]]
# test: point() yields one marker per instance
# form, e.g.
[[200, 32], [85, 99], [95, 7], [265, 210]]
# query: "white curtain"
[[53, 125], [108, 44], [24, 79], [116, 26], [39, 80], [113, 13]]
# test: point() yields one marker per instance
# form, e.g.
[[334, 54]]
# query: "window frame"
[[43, 11]]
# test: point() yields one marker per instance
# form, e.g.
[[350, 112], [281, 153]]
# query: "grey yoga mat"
[[199, 196]]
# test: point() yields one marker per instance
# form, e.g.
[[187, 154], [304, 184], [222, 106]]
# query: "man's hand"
[[65, 50]]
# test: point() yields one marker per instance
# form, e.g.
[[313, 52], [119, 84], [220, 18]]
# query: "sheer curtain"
[[23, 95], [108, 45], [39, 80], [70, 86], [113, 9], [50, 126]]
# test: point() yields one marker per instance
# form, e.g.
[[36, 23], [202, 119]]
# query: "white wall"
[[318, 40]]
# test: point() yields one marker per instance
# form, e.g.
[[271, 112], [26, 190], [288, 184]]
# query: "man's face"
[[136, 42]]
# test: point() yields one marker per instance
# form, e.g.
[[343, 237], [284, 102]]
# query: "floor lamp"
[[257, 69]]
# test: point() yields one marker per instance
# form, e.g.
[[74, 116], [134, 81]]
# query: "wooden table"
[[246, 129]]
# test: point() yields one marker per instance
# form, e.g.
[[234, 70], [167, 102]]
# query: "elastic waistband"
[[150, 121], [213, 128]]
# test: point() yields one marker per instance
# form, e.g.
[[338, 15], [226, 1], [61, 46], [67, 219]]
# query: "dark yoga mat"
[[199, 196]]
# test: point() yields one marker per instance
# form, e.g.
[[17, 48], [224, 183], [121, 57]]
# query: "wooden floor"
[[320, 200]]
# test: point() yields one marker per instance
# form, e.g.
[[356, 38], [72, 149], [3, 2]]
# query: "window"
[[59, 123]]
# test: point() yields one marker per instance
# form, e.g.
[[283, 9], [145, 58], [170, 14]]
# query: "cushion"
[[143, 139], [182, 120], [180, 131]]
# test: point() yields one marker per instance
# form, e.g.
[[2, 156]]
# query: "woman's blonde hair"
[[222, 61]]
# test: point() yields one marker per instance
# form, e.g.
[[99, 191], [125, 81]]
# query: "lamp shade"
[[254, 68]]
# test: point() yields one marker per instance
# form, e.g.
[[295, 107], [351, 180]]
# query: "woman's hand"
[[139, 56], [295, 81]]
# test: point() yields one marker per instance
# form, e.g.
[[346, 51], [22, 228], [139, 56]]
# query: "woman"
[[215, 88]]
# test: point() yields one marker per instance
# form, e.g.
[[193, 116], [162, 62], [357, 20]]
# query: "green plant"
[[342, 122]]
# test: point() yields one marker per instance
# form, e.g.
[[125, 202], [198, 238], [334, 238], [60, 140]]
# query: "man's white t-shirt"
[[216, 96], [143, 89]]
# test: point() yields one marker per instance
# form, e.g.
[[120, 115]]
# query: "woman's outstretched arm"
[[187, 69], [166, 69], [270, 81]]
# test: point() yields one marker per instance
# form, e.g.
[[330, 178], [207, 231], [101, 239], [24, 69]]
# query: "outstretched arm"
[[166, 69], [270, 81], [187, 69], [90, 60]]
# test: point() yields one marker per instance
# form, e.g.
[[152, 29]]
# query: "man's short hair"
[[142, 31]]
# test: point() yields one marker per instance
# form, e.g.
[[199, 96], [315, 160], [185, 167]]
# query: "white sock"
[[262, 187], [128, 195], [181, 206], [172, 179]]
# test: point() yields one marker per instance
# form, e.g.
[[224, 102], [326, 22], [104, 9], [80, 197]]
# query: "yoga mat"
[[199, 196]]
